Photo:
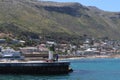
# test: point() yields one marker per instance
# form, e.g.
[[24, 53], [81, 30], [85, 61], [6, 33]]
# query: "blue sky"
[[107, 5]]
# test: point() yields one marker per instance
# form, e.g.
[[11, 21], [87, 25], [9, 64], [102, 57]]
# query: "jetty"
[[34, 67], [12, 62]]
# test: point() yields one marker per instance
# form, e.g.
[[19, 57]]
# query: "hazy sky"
[[107, 5]]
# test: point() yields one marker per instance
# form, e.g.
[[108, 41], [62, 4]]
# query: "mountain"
[[32, 18]]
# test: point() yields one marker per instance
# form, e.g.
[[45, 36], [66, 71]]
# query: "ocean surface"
[[84, 69]]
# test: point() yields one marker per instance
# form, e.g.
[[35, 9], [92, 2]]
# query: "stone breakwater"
[[34, 67]]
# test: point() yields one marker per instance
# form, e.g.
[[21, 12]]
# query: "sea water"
[[84, 69]]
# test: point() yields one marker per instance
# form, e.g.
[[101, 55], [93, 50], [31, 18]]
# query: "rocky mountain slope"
[[32, 18]]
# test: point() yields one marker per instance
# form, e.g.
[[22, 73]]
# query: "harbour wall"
[[35, 68]]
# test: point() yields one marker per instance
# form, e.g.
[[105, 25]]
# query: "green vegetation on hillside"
[[32, 19]]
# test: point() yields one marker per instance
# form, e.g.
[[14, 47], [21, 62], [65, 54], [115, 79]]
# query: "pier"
[[34, 67], [13, 62]]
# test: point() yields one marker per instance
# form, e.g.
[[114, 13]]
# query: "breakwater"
[[34, 67]]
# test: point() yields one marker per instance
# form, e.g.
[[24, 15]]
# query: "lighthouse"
[[51, 51]]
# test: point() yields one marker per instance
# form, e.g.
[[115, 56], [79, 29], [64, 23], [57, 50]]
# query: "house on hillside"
[[2, 41], [28, 50], [15, 41]]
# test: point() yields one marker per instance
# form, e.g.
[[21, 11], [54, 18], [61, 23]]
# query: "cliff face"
[[38, 17]]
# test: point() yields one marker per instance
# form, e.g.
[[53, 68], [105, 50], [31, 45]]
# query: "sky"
[[107, 5]]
